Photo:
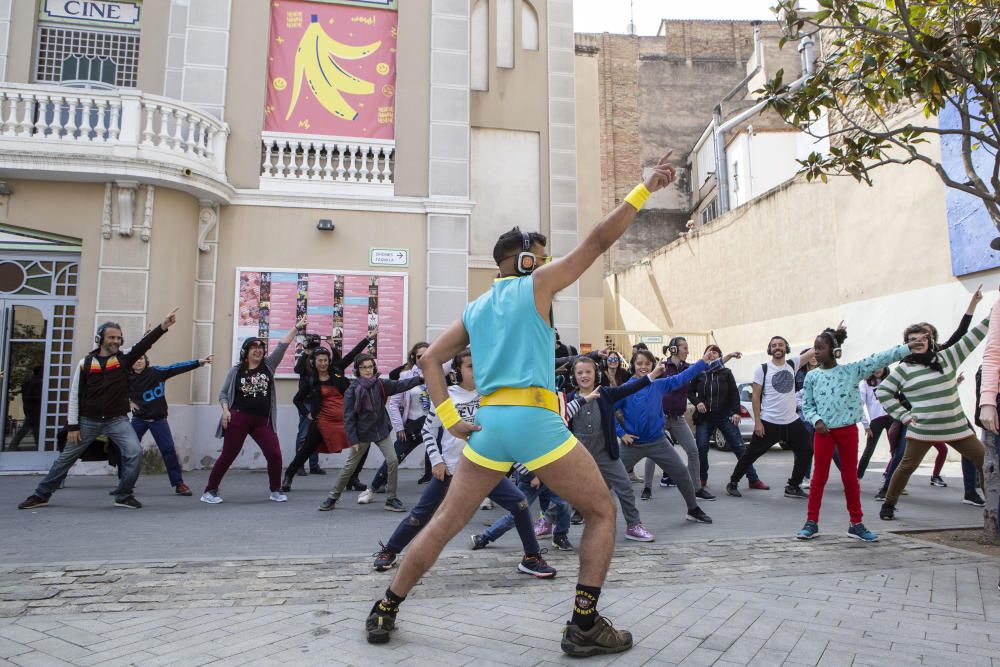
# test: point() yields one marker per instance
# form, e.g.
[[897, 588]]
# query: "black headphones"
[[788, 348], [312, 356], [456, 365], [673, 346], [522, 257], [99, 338], [361, 358], [834, 344], [245, 350]]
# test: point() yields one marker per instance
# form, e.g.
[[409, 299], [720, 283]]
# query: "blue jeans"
[[556, 505], [164, 440], [121, 433], [504, 494], [709, 422], [300, 439]]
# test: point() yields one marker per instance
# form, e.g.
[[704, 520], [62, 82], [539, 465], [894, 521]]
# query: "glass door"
[[24, 342]]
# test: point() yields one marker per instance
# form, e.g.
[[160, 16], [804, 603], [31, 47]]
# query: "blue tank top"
[[512, 346]]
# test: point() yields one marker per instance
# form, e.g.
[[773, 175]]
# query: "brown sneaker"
[[182, 489], [599, 640]]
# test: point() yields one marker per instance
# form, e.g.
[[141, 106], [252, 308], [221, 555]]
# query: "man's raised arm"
[[563, 272]]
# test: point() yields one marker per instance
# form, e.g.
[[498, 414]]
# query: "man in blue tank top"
[[509, 331]]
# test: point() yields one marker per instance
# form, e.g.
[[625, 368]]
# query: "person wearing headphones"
[[147, 394], [320, 401], [250, 407], [519, 417], [98, 405], [831, 402], [366, 421], [776, 416], [445, 451]]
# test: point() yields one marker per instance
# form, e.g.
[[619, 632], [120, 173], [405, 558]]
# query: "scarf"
[[368, 395], [929, 359]]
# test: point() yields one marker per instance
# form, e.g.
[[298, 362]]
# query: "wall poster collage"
[[341, 306]]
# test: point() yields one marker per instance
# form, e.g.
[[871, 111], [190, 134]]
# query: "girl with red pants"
[[832, 402]]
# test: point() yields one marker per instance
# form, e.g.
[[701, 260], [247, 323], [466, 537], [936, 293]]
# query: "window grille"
[[68, 55]]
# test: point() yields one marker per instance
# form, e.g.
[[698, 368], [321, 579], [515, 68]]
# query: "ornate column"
[[206, 273]]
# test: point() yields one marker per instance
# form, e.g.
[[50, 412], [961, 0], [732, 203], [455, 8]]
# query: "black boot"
[[286, 483]]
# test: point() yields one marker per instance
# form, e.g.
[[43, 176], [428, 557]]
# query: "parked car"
[[746, 418]]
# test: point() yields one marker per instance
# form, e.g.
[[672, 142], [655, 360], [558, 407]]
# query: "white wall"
[[505, 186], [772, 159]]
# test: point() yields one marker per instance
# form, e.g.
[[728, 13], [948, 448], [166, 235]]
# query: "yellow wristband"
[[637, 198], [447, 413]]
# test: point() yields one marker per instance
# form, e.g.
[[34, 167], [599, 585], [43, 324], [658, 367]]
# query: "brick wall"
[[657, 93]]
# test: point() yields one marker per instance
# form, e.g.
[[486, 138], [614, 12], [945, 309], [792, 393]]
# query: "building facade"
[[253, 161]]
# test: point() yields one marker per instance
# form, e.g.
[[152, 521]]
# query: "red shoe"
[[759, 485]]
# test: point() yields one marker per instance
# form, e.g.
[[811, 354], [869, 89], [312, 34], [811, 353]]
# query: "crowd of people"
[[557, 426]]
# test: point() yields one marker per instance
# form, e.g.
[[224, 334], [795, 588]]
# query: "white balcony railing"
[[326, 164], [116, 126]]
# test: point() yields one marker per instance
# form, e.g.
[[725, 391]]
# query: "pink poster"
[[287, 365], [342, 307], [320, 300], [331, 70], [390, 309]]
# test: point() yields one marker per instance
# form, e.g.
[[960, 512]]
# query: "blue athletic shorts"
[[527, 435]]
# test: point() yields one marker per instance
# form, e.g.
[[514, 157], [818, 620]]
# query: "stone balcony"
[[72, 134]]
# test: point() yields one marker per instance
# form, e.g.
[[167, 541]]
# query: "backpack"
[[763, 380]]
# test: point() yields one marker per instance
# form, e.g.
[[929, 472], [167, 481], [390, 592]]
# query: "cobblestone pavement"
[[83, 584], [776, 601]]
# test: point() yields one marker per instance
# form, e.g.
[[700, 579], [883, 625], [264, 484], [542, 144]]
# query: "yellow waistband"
[[532, 397]]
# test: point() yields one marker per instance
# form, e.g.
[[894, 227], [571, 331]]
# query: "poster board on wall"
[[341, 306]]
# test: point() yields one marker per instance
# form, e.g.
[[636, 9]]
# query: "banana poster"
[[332, 69]]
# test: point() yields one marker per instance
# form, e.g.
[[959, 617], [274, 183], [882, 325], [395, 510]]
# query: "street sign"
[[651, 339], [389, 257]]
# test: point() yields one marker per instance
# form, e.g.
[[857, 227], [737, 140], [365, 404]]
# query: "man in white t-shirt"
[[776, 417]]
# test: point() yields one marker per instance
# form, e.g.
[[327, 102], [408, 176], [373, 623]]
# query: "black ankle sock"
[[389, 605], [585, 606]]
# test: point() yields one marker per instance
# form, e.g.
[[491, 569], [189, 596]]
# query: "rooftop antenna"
[[631, 18]]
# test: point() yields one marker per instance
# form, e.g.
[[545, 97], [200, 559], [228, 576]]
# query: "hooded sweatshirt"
[[147, 390]]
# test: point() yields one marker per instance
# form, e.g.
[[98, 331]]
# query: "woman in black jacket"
[[716, 398]]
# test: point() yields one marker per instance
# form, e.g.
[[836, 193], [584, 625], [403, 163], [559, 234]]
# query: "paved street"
[[252, 582]]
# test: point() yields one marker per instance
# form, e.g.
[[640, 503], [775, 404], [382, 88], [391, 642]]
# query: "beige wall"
[[21, 47], [413, 72], [288, 238], [153, 46], [588, 195], [69, 209], [173, 252], [506, 105], [246, 79]]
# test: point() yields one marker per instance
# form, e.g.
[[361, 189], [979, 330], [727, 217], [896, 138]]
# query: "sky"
[[612, 15]]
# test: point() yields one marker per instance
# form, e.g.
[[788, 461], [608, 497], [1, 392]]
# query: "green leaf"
[[821, 16]]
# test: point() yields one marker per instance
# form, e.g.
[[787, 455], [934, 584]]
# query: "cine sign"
[[99, 12], [389, 257]]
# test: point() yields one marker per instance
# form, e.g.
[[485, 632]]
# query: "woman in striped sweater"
[[928, 378]]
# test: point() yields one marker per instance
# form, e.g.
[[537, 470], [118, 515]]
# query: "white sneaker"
[[211, 498], [366, 496], [487, 505], [805, 483], [278, 497]]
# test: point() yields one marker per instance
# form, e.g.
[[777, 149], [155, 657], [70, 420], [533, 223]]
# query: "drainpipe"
[[806, 47]]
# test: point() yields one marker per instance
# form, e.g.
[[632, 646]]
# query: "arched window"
[[479, 56], [529, 27], [505, 33]]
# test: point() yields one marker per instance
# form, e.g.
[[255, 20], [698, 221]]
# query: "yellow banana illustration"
[[315, 60]]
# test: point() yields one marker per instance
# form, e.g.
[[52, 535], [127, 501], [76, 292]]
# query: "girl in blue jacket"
[[642, 435]]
